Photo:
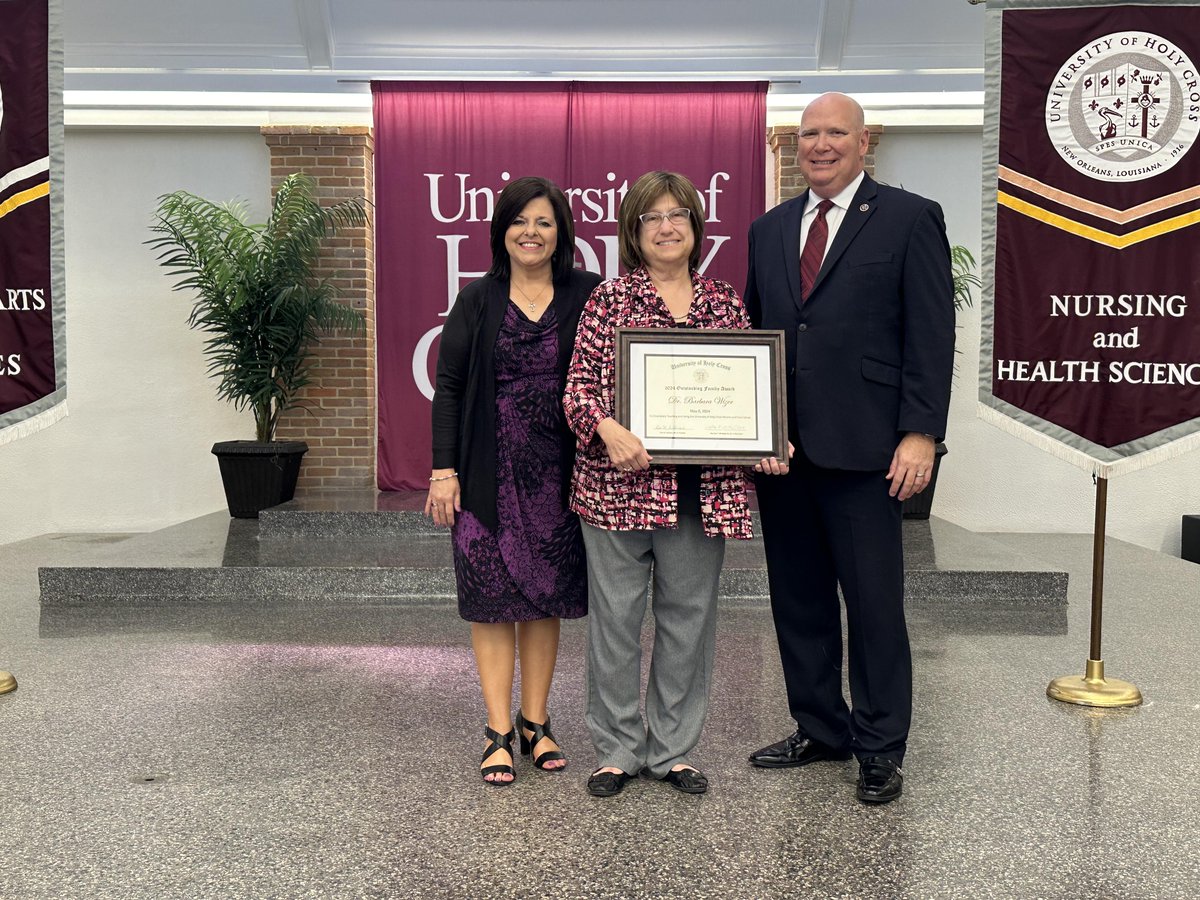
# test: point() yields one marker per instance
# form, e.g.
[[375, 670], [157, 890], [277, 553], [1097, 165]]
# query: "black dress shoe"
[[880, 780], [690, 781], [795, 750], [607, 784]]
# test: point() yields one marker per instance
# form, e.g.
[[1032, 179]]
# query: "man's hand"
[[912, 466], [772, 465]]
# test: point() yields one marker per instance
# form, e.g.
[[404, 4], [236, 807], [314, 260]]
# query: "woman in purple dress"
[[502, 461]]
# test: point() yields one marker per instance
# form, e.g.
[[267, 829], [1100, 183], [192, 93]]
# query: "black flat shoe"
[[607, 784], [880, 780], [540, 733], [498, 742], [690, 781], [795, 750]]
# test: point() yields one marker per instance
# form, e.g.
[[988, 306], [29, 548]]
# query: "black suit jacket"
[[870, 354]]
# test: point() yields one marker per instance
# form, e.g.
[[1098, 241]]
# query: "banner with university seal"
[[32, 317], [1091, 305]]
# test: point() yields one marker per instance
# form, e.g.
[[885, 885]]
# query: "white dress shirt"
[[833, 218]]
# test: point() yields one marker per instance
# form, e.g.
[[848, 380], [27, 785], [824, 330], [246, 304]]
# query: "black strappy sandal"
[[498, 742], [540, 733]]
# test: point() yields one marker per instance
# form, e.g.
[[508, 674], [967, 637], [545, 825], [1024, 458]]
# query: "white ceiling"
[[252, 53]]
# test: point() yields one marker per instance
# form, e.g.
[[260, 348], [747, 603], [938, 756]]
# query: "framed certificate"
[[715, 397]]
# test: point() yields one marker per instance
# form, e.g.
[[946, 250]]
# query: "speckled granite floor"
[[261, 751]]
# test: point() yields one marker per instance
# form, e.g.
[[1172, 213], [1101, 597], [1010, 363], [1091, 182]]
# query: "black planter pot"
[[919, 505], [258, 475]]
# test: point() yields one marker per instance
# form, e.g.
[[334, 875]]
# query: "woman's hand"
[[444, 494], [625, 450], [773, 465]]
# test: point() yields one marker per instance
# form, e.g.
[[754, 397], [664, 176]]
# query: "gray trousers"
[[686, 565]]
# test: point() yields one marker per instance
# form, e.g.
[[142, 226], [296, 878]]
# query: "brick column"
[[789, 182], [339, 419]]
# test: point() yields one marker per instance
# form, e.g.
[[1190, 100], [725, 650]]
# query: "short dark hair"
[[514, 198], [645, 191]]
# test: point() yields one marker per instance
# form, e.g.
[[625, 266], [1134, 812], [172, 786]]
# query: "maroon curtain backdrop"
[[444, 150]]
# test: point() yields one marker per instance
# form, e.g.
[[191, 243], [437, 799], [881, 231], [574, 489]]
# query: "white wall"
[[992, 481], [133, 454]]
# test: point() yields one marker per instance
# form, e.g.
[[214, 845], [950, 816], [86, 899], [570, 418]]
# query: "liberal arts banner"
[[32, 348], [444, 150], [1091, 315]]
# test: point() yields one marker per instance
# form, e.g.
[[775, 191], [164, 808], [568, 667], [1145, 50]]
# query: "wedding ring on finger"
[[920, 474]]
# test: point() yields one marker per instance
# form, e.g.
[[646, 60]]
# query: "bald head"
[[832, 147], [838, 103]]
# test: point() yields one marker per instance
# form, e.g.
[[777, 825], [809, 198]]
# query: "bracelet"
[[443, 477]]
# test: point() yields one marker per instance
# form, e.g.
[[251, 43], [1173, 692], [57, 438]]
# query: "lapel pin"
[[864, 207]]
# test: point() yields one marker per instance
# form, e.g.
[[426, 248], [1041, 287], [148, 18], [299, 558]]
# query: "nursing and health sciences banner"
[[1091, 312]]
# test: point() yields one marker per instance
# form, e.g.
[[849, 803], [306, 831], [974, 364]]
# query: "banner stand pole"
[[7, 682], [1093, 689]]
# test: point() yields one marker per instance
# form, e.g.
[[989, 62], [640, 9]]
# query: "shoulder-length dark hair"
[[644, 194], [514, 198]]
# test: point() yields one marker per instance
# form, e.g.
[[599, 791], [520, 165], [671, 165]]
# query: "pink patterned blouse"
[[639, 501]]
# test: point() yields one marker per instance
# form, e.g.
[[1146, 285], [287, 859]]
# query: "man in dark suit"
[[858, 276]]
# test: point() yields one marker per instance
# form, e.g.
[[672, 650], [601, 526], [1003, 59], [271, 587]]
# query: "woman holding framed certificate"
[[639, 518], [502, 457]]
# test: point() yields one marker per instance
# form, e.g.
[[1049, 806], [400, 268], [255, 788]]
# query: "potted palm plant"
[[962, 269], [263, 306]]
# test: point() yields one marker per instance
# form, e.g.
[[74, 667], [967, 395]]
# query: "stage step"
[[362, 549], [348, 513], [338, 513]]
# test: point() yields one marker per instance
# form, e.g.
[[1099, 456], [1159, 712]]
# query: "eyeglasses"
[[676, 216]]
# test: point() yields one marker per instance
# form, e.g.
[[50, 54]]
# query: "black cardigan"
[[464, 398]]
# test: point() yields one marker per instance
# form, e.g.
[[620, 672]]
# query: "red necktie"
[[814, 249]]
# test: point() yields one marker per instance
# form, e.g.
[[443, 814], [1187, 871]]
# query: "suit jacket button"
[[802, 328]]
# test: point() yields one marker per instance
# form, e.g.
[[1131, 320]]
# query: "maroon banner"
[[29, 382], [444, 150], [1092, 335]]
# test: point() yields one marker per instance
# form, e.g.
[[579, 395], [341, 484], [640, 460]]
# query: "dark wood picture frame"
[[711, 344]]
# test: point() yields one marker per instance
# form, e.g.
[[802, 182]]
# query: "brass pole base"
[[7, 682], [1093, 689]]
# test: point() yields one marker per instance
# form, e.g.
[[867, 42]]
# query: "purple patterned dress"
[[532, 567]]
